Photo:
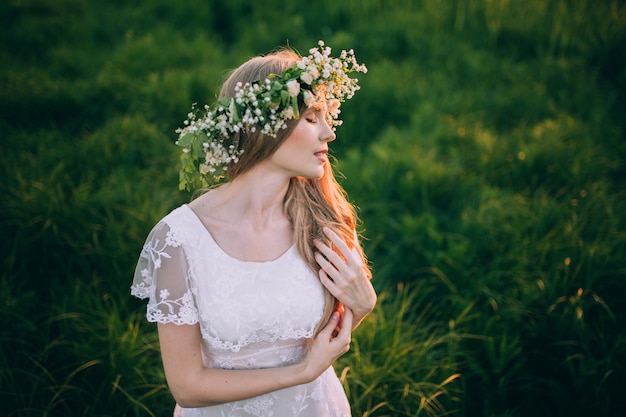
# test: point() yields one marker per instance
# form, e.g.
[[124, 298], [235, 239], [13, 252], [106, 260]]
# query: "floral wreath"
[[207, 140]]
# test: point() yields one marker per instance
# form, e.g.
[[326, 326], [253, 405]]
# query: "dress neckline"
[[210, 237]]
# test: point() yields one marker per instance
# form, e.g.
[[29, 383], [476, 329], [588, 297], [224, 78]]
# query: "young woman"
[[257, 283]]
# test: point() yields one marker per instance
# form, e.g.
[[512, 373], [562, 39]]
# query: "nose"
[[328, 134]]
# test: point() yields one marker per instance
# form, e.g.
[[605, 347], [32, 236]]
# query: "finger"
[[346, 320], [329, 328], [330, 284], [347, 253], [330, 261], [345, 330], [327, 266], [326, 250]]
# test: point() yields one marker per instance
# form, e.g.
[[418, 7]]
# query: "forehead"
[[319, 105]]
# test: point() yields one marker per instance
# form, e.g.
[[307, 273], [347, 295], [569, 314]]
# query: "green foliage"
[[418, 353], [485, 151]]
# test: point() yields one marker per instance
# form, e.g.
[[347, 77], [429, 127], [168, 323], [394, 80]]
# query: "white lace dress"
[[251, 314]]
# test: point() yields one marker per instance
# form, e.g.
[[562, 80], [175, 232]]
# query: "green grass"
[[404, 360], [485, 152]]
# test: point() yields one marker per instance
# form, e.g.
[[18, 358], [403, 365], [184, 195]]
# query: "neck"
[[255, 197]]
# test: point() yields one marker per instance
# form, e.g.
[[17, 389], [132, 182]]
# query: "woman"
[[257, 284]]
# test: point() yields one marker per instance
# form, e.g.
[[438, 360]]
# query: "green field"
[[486, 152]]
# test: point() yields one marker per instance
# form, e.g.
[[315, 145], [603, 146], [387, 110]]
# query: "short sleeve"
[[162, 277]]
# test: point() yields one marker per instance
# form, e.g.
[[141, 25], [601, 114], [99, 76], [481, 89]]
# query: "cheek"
[[289, 149], [291, 143], [295, 139]]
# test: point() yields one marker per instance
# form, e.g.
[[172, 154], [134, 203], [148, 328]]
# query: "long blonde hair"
[[310, 204]]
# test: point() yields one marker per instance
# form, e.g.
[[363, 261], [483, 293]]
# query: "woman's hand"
[[329, 344], [345, 278]]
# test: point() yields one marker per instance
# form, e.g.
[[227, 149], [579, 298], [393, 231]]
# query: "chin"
[[317, 176], [311, 175]]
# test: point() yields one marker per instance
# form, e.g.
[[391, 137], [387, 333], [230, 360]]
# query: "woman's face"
[[305, 151]]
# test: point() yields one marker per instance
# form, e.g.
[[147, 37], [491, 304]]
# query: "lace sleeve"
[[162, 277]]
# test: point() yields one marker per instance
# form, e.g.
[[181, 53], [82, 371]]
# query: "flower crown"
[[209, 142]]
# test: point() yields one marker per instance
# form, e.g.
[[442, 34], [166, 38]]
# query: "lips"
[[321, 155]]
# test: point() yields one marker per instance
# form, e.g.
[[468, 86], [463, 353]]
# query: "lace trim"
[[268, 334], [187, 311], [277, 356], [142, 290], [249, 363]]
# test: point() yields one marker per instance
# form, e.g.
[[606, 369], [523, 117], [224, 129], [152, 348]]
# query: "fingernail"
[[335, 316]]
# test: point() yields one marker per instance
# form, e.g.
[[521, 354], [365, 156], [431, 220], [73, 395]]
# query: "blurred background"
[[485, 151]]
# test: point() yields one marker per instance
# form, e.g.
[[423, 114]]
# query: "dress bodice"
[[251, 314]]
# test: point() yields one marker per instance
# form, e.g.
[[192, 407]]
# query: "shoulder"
[[210, 201], [176, 227], [211, 207], [176, 216]]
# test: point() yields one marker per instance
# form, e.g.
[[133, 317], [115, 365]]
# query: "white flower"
[[306, 77], [308, 97], [164, 294], [288, 113], [293, 88], [314, 72], [333, 105]]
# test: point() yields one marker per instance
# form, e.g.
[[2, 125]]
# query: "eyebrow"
[[318, 107]]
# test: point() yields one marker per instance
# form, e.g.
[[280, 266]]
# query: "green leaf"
[[197, 147], [185, 158], [294, 106], [234, 111], [186, 139], [276, 86], [183, 180]]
